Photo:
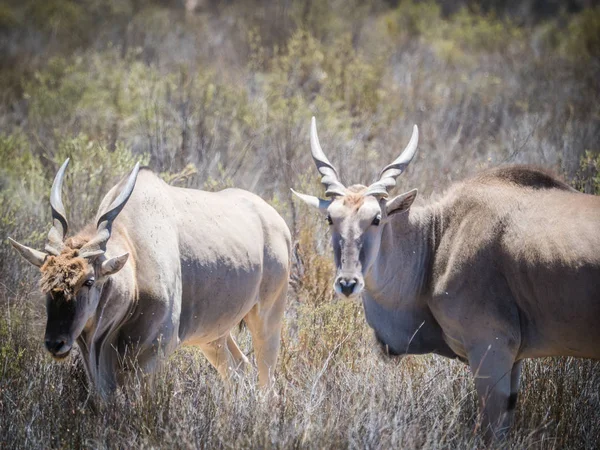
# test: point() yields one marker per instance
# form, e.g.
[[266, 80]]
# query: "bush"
[[588, 180], [221, 95]]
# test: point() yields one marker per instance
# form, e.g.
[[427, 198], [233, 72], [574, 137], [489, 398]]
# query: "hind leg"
[[236, 353], [265, 321], [218, 354]]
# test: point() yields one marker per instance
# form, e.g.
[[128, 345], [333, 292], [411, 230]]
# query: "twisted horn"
[[330, 178], [57, 233], [97, 245], [387, 177]]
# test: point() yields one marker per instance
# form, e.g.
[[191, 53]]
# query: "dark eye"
[[377, 220], [329, 221], [89, 282]]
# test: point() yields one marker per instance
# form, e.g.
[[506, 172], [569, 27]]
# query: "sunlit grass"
[[222, 97]]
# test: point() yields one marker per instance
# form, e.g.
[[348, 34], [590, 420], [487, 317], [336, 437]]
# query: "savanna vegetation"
[[214, 94]]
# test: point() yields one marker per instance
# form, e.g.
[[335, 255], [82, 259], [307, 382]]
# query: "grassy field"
[[221, 94]]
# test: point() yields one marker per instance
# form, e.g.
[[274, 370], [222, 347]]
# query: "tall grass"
[[348, 396], [221, 95]]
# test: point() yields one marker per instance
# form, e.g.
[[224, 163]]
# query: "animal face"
[[72, 296], [74, 271], [357, 214], [73, 286], [355, 223]]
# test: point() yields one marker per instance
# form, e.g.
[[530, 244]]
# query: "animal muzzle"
[[59, 347], [348, 286]]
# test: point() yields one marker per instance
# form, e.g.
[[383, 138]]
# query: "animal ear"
[[113, 265], [313, 201], [35, 257], [401, 203]]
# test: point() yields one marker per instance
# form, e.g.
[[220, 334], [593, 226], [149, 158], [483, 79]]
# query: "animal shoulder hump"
[[524, 176]]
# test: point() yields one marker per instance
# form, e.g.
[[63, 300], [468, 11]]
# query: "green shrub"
[[62, 18], [8, 18], [222, 96], [414, 19], [483, 33], [23, 190], [93, 170], [588, 179]]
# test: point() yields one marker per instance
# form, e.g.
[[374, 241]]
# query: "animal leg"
[[492, 367], [236, 353], [265, 327], [218, 354], [515, 382]]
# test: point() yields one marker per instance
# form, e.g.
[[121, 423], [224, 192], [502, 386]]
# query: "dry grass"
[[334, 390], [346, 397], [223, 96]]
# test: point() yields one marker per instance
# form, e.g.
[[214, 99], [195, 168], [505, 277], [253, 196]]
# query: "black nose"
[[347, 286], [54, 345]]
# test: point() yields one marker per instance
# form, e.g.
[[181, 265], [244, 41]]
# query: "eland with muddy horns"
[[163, 266], [505, 266]]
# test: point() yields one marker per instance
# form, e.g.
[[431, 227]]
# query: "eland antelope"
[[505, 266], [163, 266]]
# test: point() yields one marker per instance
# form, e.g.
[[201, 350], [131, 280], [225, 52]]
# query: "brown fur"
[[527, 176], [354, 197], [64, 273], [78, 241]]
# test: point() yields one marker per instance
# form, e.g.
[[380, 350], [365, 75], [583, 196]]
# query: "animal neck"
[[122, 292], [117, 302], [402, 271], [119, 244]]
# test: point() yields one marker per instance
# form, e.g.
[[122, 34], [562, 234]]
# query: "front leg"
[[492, 367], [138, 362], [515, 383]]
